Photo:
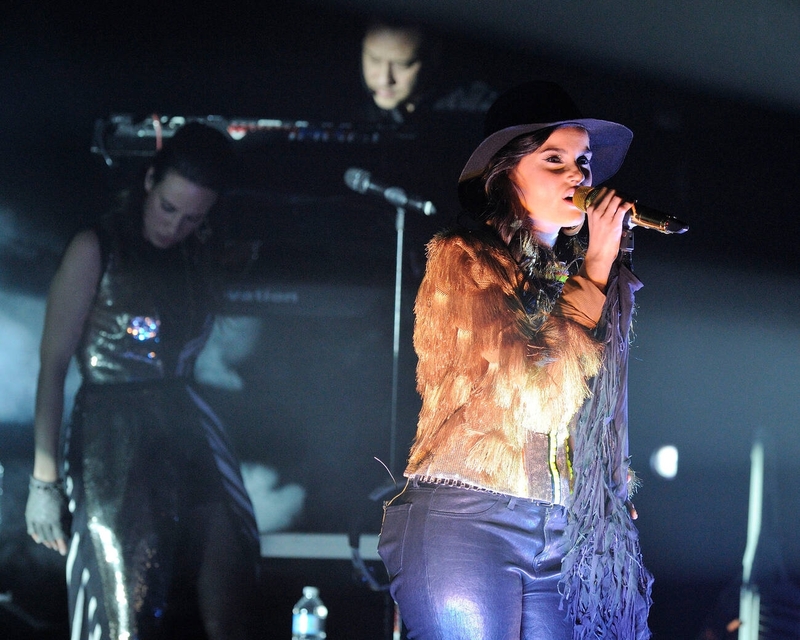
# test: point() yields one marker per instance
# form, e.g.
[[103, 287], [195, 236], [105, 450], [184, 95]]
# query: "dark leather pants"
[[473, 565]]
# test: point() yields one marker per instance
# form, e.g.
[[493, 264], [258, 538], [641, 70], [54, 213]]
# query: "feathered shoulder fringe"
[[488, 372]]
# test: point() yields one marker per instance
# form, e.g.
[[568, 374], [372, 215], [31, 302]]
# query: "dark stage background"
[[301, 367]]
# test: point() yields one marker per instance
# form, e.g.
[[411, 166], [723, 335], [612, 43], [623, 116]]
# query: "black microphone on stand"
[[637, 216], [360, 180]]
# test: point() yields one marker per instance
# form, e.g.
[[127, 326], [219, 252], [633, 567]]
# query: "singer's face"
[[390, 64], [174, 208], [546, 180]]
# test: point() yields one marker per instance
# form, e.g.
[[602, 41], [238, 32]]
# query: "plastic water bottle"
[[308, 616]]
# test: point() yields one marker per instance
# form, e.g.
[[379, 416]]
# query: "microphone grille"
[[357, 179], [583, 197]]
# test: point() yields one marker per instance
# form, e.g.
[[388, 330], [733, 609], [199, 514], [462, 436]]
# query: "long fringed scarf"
[[605, 585]]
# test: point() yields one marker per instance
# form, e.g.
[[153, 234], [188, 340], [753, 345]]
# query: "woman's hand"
[[605, 217], [46, 514]]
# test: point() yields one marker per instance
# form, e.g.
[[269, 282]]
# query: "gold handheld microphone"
[[637, 216]]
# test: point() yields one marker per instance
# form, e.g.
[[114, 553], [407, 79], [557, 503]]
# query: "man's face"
[[390, 64]]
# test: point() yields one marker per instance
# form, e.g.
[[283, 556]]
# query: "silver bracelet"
[[40, 485]]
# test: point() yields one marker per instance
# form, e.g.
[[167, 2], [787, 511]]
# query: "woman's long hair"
[[502, 200], [544, 268]]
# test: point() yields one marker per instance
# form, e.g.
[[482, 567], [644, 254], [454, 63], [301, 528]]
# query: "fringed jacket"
[[499, 387]]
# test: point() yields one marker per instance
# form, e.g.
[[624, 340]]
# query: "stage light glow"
[[664, 462], [232, 340], [21, 320], [275, 505]]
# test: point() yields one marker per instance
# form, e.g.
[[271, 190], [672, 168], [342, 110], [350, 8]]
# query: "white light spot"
[[664, 462]]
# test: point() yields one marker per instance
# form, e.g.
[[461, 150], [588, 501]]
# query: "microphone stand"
[[393, 628], [400, 223], [384, 491]]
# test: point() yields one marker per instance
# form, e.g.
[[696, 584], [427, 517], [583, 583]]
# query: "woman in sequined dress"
[[162, 531]]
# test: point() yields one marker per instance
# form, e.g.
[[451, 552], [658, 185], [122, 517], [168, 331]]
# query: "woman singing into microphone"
[[515, 520]]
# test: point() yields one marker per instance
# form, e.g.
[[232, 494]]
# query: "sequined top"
[[127, 337]]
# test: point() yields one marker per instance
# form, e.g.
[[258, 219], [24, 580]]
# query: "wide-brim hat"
[[539, 105]]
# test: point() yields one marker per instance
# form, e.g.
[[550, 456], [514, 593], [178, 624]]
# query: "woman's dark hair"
[[197, 152], [503, 204], [499, 201]]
